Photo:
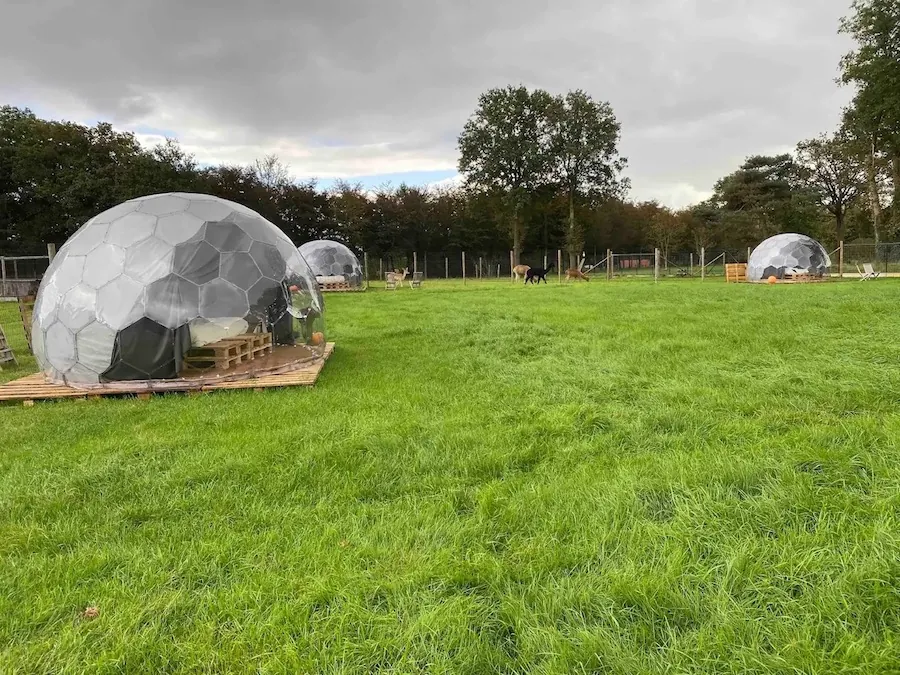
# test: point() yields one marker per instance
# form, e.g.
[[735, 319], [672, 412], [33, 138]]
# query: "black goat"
[[538, 272]]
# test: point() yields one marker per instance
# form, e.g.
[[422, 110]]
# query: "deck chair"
[[868, 272], [390, 281], [416, 281]]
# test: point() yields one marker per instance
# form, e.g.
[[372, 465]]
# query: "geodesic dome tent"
[[785, 254], [139, 286], [330, 260]]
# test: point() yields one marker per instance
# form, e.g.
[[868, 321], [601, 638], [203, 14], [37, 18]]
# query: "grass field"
[[619, 477]]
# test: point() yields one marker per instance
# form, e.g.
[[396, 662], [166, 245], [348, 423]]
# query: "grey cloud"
[[697, 84]]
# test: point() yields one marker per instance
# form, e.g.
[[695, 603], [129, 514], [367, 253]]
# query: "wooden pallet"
[[339, 287], [6, 352], [26, 312], [229, 352], [735, 273], [35, 387]]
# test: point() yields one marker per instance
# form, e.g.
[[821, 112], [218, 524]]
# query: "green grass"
[[622, 477]]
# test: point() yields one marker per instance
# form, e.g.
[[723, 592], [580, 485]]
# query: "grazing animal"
[[537, 273], [520, 271], [400, 276], [573, 273]]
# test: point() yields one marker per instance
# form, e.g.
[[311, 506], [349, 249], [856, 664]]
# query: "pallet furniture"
[[735, 273], [6, 352], [35, 387], [26, 312], [229, 352]]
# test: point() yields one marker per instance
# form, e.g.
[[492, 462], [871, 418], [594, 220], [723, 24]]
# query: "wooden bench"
[[229, 352]]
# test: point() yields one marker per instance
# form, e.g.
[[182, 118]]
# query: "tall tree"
[[874, 67], [584, 156], [832, 170], [505, 146]]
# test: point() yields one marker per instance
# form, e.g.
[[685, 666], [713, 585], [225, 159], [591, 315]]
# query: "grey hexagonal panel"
[[332, 259], [788, 253], [139, 284]]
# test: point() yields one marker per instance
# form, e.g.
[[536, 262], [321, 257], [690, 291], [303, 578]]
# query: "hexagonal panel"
[[239, 269], [264, 294], [140, 350], [209, 211], [178, 227], [130, 229], [103, 264], [94, 346], [60, 347], [77, 308], [196, 261], [163, 204], [47, 304], [268, 260], [69, 274], [220, 299], [172, 301], [88, 239], [257, 227], [121, 302], [117, 211], [787, 253], [80, 374], [227, 237], [149, 260]]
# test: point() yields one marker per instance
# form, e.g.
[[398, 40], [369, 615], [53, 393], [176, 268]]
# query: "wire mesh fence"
[[20, 275]]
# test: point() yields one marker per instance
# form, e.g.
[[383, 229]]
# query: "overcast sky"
[[379, 90]]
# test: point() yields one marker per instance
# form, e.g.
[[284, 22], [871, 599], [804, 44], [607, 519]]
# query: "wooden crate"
[[26, 312], [35, 387], [229, 352], [736, 272]]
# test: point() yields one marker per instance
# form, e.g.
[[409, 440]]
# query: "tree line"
[[541, 172]]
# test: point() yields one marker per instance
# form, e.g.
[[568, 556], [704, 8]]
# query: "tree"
[[505, 146], [666, 228], [874, 68], [832, 170], [584, 155]]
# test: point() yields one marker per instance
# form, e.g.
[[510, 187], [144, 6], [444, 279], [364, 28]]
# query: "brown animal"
[[520, 271], [572, 273]]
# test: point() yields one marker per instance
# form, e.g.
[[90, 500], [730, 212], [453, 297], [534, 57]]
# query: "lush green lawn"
[[618, 477]]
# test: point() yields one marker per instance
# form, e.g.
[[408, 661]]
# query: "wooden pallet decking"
[[34, 387], [229, 352], [735, 273], [339, 287]]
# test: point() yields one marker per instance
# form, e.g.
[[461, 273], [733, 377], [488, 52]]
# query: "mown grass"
[[619, 477]]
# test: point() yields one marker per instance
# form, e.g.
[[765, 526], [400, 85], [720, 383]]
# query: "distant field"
[[620, 477]]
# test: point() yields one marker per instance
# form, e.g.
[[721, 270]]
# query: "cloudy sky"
[[378, 90]]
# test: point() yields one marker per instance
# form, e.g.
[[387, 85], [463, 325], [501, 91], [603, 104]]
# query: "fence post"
[[380, 269], [748, 255], [498, 271], [479, 267], [512, 263], [841, 260], [51, 252], [366, 267], [691, 268], [464, 267], [655, 264], [559, 264], [415, 262], [702, 263], [446, 267], [609, 264]]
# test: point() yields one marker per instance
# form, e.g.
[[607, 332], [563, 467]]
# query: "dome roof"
[[786, 253]]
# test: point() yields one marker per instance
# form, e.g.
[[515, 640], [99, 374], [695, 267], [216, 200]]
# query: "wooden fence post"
[[512, 263], [748, 254], [691, 268], [841, 260], [446, 267], [415, 262], [656, 264], [366, 267], [51, 251], [464, 267], [559, 264], [702, 263], [498, 271], [480, 274], [380, 269]]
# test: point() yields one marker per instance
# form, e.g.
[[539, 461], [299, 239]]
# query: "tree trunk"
[[517, 235], [839, 222], [874, 199], [895, 203], [573, 243]]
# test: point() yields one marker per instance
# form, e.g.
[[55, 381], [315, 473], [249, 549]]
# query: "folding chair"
[[868, 272], [416, 281], [390, 281]]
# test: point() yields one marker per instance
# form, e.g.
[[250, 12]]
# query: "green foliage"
[[629, 478]]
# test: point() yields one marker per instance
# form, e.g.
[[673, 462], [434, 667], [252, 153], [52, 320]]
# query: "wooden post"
[[841, 260], [498, 271], [51, 251], [656, 264], [464, 267], [545, 260], [559, 264], [425, 266], [748, 254], [691, 268], [609, 264], [415, 262], [366, 267], [702, 263], [512, 263], [380, 269], [446, 267], [479, 267], [3, 273]]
